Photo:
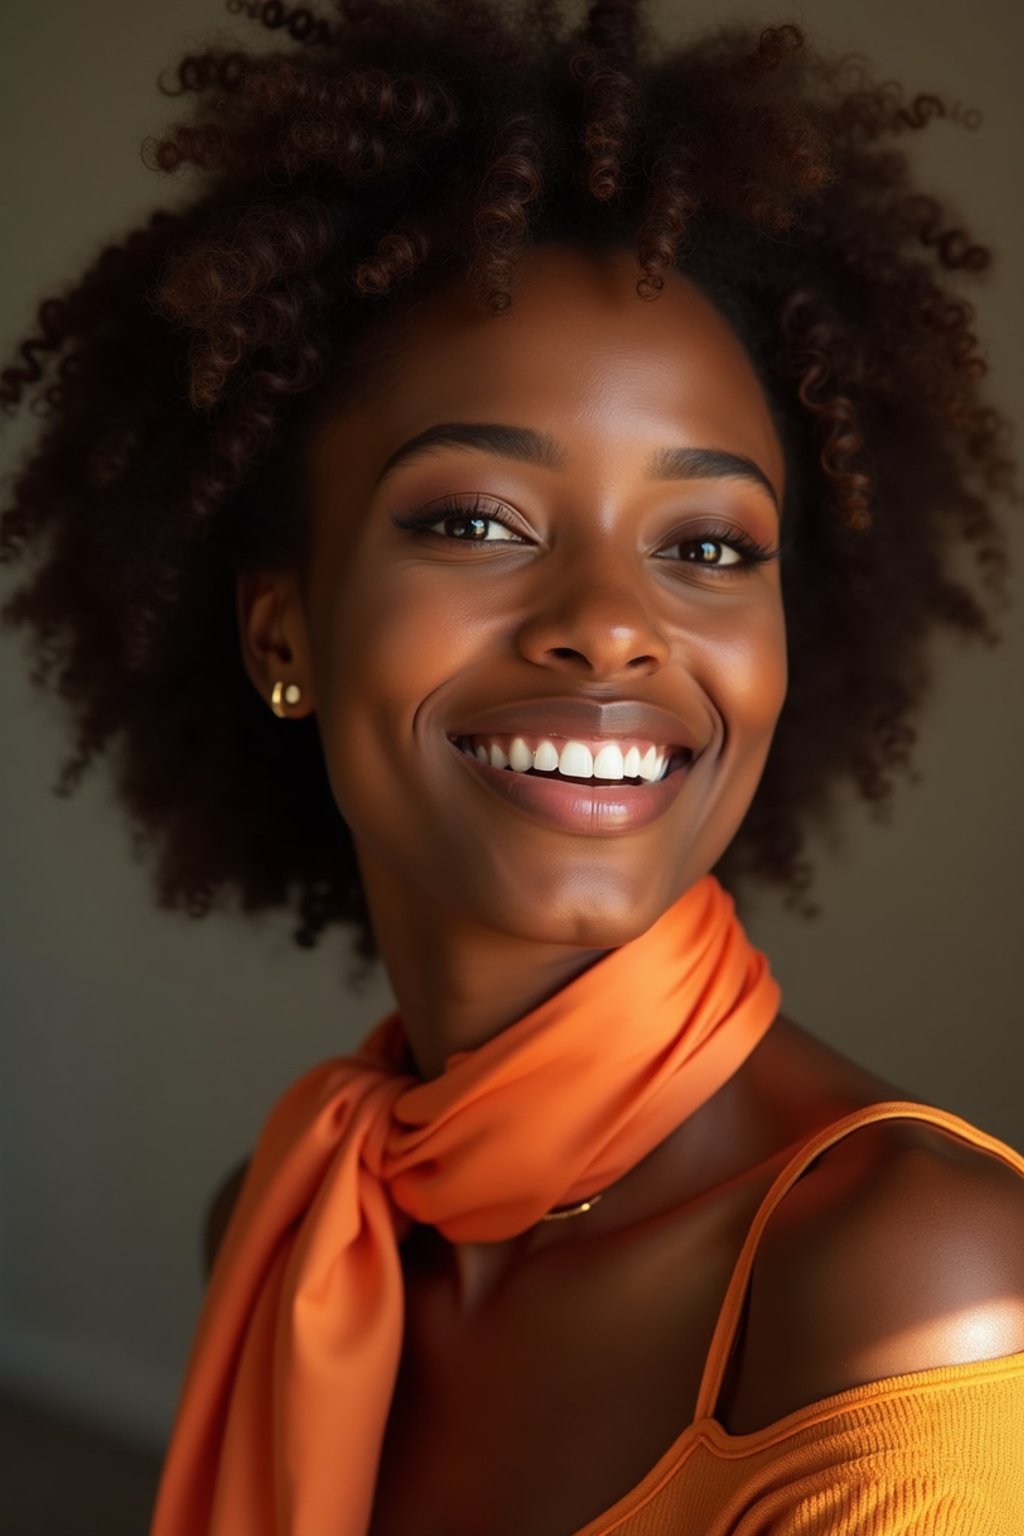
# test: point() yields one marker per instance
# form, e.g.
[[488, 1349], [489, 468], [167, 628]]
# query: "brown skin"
[[481, 913]]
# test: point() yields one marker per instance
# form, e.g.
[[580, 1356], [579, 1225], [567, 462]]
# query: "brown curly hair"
[[379, 152]]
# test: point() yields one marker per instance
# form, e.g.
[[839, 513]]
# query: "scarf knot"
[[292, 1368]]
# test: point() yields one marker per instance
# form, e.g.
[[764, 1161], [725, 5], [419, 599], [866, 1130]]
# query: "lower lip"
[[605, 808]]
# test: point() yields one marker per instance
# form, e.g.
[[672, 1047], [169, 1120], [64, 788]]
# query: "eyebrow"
[[540, 448]]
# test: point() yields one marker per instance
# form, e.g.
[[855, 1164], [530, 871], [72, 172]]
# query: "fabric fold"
[[292, 1368]]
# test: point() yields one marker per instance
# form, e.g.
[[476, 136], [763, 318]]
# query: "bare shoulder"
[[901, 1249]]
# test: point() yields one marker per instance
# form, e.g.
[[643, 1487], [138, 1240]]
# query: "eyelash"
[[751, 552]]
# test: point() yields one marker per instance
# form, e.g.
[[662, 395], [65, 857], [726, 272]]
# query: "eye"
[[472, 528], [479, 522], [721, 549], [711, 552]]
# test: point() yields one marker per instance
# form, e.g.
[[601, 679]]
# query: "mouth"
[[585, 803]]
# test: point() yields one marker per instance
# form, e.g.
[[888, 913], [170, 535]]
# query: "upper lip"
[[576, 718]]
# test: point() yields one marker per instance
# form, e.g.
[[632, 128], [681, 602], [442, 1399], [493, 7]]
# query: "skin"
[[481, 913]]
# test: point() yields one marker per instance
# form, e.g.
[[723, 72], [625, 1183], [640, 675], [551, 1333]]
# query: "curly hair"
[[376, 153]]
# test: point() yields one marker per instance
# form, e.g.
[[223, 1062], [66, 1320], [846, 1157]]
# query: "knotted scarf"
[[292, 1368]]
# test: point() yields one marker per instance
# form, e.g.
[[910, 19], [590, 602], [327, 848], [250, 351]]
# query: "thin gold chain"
[[572, 1210]]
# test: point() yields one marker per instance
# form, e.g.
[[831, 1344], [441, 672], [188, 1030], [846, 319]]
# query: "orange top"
[[928, 1453]]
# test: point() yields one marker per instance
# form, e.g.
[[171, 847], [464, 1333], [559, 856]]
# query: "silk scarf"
[[292, 1367]]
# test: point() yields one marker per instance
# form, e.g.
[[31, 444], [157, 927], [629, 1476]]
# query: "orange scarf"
[[292, 1368]]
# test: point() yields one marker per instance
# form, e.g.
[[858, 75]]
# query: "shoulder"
[[901, 1249]]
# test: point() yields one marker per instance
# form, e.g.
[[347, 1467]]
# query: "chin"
[[602, 910]]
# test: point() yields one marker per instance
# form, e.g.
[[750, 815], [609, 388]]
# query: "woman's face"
[[566, 567]]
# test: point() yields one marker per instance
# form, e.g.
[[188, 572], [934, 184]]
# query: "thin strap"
[[888, 1109]]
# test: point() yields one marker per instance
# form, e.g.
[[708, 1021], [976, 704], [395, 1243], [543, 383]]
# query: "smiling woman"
[[577, 439], [631, 597]]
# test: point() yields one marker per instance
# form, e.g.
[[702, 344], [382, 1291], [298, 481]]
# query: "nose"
[[595, 619]]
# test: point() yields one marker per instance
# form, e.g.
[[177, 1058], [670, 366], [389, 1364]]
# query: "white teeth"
[[576, 761], [651, 765], [519, 756], [608, 762]]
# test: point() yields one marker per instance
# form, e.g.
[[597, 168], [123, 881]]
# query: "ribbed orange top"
[[928, 1453]]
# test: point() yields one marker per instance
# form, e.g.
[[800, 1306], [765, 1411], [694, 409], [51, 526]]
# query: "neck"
[[741, 1134], [476, 1271], [458, 984]]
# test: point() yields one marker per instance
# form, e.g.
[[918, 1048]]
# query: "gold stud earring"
[[292, 695]]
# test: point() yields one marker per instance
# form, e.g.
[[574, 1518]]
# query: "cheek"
[[759, 675], [396, 639], [745, 673], [386, 646]]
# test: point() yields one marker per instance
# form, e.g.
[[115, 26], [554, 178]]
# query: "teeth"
[[576, 759], [651, 764], [520, 757], [608, 762]]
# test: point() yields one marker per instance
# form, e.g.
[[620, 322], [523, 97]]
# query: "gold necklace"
[[561, 1212]]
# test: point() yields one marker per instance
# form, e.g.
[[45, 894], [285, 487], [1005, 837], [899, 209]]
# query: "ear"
[[274, 636]]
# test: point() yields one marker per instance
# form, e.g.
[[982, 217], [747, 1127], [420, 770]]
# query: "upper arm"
[[218, 1212], [899, 1254]]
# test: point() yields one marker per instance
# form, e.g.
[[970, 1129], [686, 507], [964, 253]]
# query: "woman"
[[573, 440]]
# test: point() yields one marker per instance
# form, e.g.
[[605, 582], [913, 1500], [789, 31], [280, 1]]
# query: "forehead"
[[577, 351]]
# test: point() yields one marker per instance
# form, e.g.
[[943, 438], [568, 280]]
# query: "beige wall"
[[139, 1051]]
